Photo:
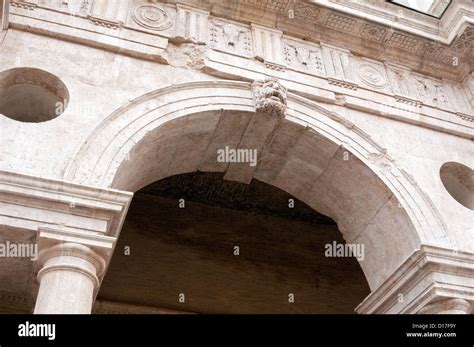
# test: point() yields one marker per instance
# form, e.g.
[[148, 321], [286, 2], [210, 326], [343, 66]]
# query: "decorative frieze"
[[399, 80], [468, 34], [267, 45], [275, 5], [465, 117], [305, 11], [80, 7], [460, 46], [431, 92], [109, 10], [27, 5], [304, 57], [105, 23], [280, 53], [407, 101], [431, 48], [372, 75], [342, 84], [191, 25], [152, 17], [373, 32], [231, 38], [338, 66], [403, 41], [107, 14], [340, 22]]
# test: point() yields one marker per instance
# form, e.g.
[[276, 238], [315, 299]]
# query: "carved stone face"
[[270, 96]]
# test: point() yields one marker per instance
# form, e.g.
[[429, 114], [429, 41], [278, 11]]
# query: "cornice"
[[372, 28], [429, 273], [442, 46], [33, 202], [459, 14], [236, 50]]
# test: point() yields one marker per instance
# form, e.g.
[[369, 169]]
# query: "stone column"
[[68, 278], [447, 306]]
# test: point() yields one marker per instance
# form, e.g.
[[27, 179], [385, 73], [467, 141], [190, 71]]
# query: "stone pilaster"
[[434, 280]]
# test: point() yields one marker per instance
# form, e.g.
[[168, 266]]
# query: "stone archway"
[[315, 155]]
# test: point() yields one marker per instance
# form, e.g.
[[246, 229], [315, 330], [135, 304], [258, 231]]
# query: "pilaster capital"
[[432, 279], [84, 252]]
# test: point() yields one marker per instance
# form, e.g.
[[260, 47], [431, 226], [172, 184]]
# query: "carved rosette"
[[270, 97], [372, 76], [152, 17]]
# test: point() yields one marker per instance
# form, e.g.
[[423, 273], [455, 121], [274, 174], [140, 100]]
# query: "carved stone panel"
[[373, 32], [371, 74], [340, 22], [75, 7], [303, 57], [274, 5], [431, 92], [229, 37], [305, 11], [152, 17]]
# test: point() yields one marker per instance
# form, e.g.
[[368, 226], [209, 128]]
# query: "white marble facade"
[[129, 72]]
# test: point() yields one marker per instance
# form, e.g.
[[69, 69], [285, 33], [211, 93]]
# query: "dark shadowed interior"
[[191, 251]]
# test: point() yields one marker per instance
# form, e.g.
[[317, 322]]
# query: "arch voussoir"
[[310, 152]]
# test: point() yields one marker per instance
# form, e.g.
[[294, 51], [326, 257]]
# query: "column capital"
[[93, 248], [70, 266], [432, 279]]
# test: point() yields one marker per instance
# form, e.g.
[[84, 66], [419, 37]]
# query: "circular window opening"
[[458, 179], [31, 95]]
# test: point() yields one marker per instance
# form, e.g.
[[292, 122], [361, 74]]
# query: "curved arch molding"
[[108, 147]]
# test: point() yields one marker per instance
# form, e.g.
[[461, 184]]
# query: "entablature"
[[249, 51]]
